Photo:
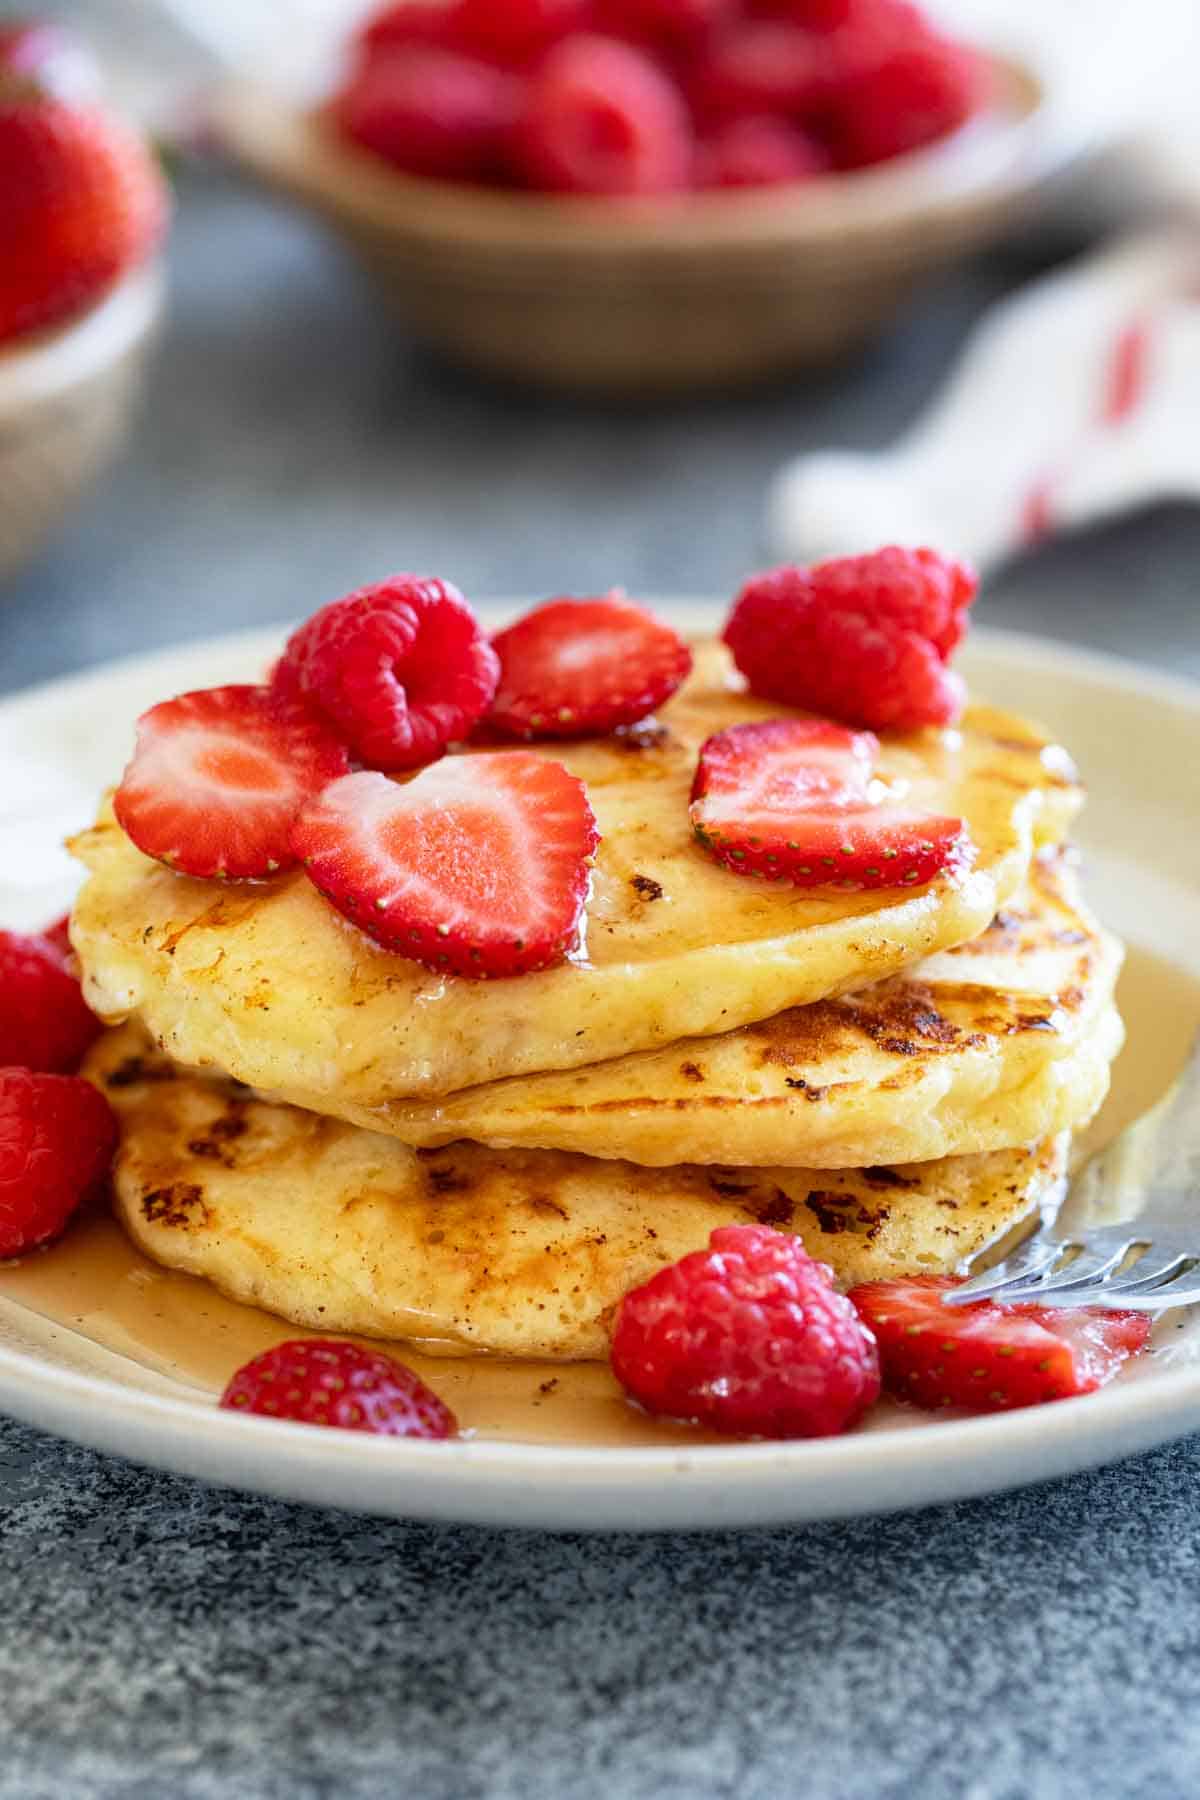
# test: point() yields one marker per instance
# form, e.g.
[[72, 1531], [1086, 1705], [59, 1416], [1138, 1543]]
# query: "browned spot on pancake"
[[538, 1203], [646, 886], [447, 1180], [890, 1178], [233, 1125], [691, 1071], [905, 1077], [138, 1068], [1071, 999], [1029, 1022], [729, 1190], [777, 1209], [835, 1213], [206, 1147], [182, 1204]]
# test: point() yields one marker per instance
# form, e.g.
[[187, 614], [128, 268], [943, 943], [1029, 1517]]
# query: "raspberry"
[[863, 639], [671, 23], [400, 669], [407, 22], [914, 590], [759, 152], [602, 118], [57, 1137], [515, 31], [813, 15], [747, 1337], [323, 1381], [44, 1021], [895, 85], [761, 67], [431, 112]]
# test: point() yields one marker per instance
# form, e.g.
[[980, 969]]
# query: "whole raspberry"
[[748, 1337], [323, 1381], [57, 1137], [759, 152], [601, 117], [400, 670], [44, 1021], [862, 639], [764, 66], [672, 24], [430, 111], [404, 22], [516, 31], [894, 85]]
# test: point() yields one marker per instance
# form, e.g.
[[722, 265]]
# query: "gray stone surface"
[[157, 1639]]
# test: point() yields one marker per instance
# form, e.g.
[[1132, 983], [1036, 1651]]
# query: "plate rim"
[[479, 1480]]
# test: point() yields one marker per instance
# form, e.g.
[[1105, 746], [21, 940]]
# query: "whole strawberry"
[[323, 1381], [81, 202], [748, 1337], [44, 1021], [57, 1137]]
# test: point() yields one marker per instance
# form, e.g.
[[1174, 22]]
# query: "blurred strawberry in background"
[[81, 197]]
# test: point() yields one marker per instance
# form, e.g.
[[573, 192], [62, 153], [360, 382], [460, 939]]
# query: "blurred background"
[[294, 439]]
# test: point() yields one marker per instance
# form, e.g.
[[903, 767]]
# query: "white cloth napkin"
[[1077, 398]]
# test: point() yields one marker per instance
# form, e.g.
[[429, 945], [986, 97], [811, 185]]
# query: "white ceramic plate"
[[1137, 737]]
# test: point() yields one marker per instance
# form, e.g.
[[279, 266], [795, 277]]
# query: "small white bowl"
[[66, 397]]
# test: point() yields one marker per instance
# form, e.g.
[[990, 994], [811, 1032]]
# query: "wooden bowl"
[[696, 290], [65, 401]]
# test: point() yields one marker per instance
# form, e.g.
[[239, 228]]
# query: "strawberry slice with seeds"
[[987, 1356], [478, 865], [217, 779], [572, 668], [795, 800]]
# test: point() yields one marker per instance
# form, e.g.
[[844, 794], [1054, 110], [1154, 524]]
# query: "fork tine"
[[1172, 1292], [1090, 1269], [1144, 1277], [1034, 1258]]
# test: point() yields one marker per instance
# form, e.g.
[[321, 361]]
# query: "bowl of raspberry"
[[646, 195], [83, 209]]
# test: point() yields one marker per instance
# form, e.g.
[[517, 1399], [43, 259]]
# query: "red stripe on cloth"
[[1125, 377], [1037, 514]]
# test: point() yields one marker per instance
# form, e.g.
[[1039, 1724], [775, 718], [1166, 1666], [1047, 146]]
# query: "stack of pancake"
[[349, 1140]]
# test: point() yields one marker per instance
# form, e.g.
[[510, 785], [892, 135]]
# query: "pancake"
[[266, 982], [520, 1253], [1001, 1041]]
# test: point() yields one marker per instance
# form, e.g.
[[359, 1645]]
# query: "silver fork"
[[1128, 1232]]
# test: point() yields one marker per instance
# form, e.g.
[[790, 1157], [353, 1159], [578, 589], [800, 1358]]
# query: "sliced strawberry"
[[572, 668], [794, 800], [478, 865], [987, 1356], [217, 779]]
